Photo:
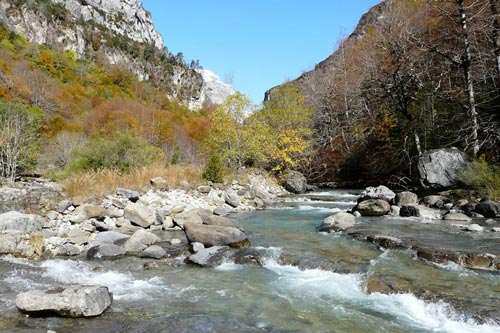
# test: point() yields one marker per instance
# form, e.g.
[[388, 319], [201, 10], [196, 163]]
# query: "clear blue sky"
[[259, 43]]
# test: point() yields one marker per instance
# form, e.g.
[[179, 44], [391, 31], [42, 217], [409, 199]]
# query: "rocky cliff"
[[120, 31], [322, 71]]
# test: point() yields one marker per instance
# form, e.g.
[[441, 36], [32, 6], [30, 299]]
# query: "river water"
[[308, 282]]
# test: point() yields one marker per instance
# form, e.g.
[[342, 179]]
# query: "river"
[[308, 282]]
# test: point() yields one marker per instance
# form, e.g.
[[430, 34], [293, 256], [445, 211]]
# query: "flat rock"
[[73, 301], [68, 250], [129, 194], [211, 219]]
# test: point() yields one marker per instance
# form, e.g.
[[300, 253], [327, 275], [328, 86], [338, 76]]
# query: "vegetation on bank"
[[396, 91]]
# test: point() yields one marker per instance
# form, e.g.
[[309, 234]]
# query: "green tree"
[[226, 136], [121, 151], [214, 170]]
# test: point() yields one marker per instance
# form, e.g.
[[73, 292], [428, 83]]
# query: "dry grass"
[[38, 243], [98, 183]]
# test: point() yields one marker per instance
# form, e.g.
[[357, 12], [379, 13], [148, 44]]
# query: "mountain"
[[120, 31], [216, 91], [412, 76]]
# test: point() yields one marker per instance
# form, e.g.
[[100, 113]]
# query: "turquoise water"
[[309, 282]]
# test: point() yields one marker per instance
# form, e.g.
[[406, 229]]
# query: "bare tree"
[[15, 137]]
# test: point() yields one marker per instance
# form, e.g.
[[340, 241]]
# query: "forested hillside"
[[63, 113], [413, 76]]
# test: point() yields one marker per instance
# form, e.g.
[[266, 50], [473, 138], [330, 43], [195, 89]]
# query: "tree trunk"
[[467, 68], [496, 33]]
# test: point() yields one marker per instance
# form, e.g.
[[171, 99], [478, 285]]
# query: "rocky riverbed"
[[156, 242]]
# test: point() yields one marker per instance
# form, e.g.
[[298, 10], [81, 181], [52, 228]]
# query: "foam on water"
[[334, 194], [123, 285], [346, 291]]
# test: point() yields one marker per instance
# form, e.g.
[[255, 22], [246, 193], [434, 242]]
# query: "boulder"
[[73, 301], [457, 217], [68, 250], [209, 257], [212, 235], [154, 251], [421, 212], [26, 223], [295, 182], [441, 168], [159, 183], [140, 215], [222, 211], [190, 216], [106, 251], [129, 194], [488, 208], [386, 242], [205, 189], [406, 198], [88, 211], [435, 201], [338, 222], [211, 219], [195, 247], [373, 207], [63, 205], [232, 199], [140, 240], [473, 228], [380, 192], [78, 236]]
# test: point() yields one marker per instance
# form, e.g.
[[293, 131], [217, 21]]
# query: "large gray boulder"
[[295, 182], [140, 215], [338, 222], [109, 237], [73, 301], [380, 192], [373, 207], [441, 168], [213, 235], [26, 223]]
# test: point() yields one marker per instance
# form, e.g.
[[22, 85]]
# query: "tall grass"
[[97, 183]]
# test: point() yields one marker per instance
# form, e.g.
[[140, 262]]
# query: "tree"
[[227, 131], [214, 170], [18, 131], [289, 122]]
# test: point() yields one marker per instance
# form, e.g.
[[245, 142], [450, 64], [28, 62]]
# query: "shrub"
[[121, 151], [214, 171], [484, 177]]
